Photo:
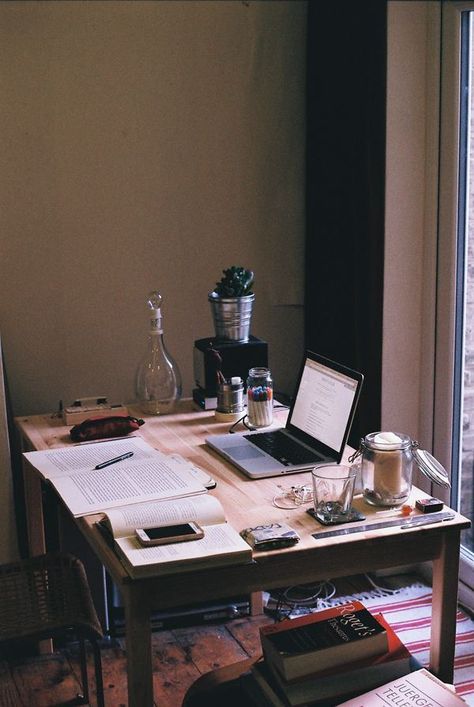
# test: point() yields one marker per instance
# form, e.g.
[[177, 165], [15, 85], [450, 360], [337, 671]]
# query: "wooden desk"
[[249, 503]]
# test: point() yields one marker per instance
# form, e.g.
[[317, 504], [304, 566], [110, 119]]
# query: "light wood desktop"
[[248, 503]]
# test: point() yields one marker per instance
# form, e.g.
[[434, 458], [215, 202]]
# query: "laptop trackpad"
[[243, 451]]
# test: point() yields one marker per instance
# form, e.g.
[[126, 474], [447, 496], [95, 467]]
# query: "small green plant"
[[237, 282]]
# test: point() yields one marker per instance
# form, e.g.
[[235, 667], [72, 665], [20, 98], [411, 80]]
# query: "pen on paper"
[[114, 460]]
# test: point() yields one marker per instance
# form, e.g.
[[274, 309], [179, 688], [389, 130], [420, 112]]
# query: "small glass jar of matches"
[[260, 397]]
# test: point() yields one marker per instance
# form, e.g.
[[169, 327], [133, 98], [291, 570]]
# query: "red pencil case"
[[101, 427]]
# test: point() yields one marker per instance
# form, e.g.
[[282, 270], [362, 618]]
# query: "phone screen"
[[169, 531]]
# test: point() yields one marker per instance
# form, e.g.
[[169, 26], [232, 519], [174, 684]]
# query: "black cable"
[[249, 427], [242, 420]]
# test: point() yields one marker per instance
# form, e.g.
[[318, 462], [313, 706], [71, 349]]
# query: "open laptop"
[[317, 427]]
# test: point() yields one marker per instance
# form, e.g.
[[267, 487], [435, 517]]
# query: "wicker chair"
[[45, 596]]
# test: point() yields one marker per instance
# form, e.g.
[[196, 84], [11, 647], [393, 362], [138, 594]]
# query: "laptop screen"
[[325, 402]]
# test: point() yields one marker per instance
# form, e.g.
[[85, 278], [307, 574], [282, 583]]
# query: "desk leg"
[[256, 604], [35, 528], [444, 608], [34, 512], [138, 648]]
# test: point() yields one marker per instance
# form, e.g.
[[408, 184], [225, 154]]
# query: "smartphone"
[[169, 534]]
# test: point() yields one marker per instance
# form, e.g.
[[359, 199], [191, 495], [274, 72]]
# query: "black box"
[[237, 359]]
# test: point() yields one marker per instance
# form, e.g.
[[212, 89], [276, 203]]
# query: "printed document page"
[[69, 460], [120, 484]]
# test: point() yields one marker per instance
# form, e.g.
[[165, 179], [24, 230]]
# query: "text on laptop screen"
[[323, 403]]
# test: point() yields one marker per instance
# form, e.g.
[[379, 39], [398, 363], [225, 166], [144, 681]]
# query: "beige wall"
[[145, 145], [406, 329]]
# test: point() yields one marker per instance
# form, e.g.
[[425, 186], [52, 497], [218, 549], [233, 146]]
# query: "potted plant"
[[232, 304]]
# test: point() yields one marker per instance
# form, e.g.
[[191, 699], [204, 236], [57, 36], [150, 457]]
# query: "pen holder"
[[230, 400], [260, 397]]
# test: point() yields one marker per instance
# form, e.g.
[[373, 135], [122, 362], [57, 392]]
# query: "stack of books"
[[328, 656]]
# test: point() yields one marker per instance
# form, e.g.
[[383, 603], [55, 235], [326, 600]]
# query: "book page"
[[64, 461], [203, 476], [203, 509], [150, 480], [218, 541]]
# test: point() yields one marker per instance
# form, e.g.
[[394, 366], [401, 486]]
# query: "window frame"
[[450, 249]]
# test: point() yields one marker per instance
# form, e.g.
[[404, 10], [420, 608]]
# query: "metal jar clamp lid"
[[430, 466]]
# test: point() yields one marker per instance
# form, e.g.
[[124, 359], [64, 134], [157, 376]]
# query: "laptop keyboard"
[[281, 447]]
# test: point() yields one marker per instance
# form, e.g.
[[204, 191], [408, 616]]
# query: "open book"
[[147, 475], [221, 544]]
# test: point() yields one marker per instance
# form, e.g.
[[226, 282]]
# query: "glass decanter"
[[158, 381]]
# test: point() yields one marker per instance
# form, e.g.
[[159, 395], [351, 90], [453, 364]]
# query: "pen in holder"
[[260, 397]]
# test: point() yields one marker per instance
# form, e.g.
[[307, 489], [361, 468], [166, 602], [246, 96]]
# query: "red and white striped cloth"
[[409, 613]]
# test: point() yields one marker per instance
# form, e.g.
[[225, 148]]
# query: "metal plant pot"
[[232, 316]]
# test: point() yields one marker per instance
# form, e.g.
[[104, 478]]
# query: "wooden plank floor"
[[180, 656]]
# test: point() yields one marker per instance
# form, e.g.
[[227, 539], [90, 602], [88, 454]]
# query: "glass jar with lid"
[[387, 462]]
